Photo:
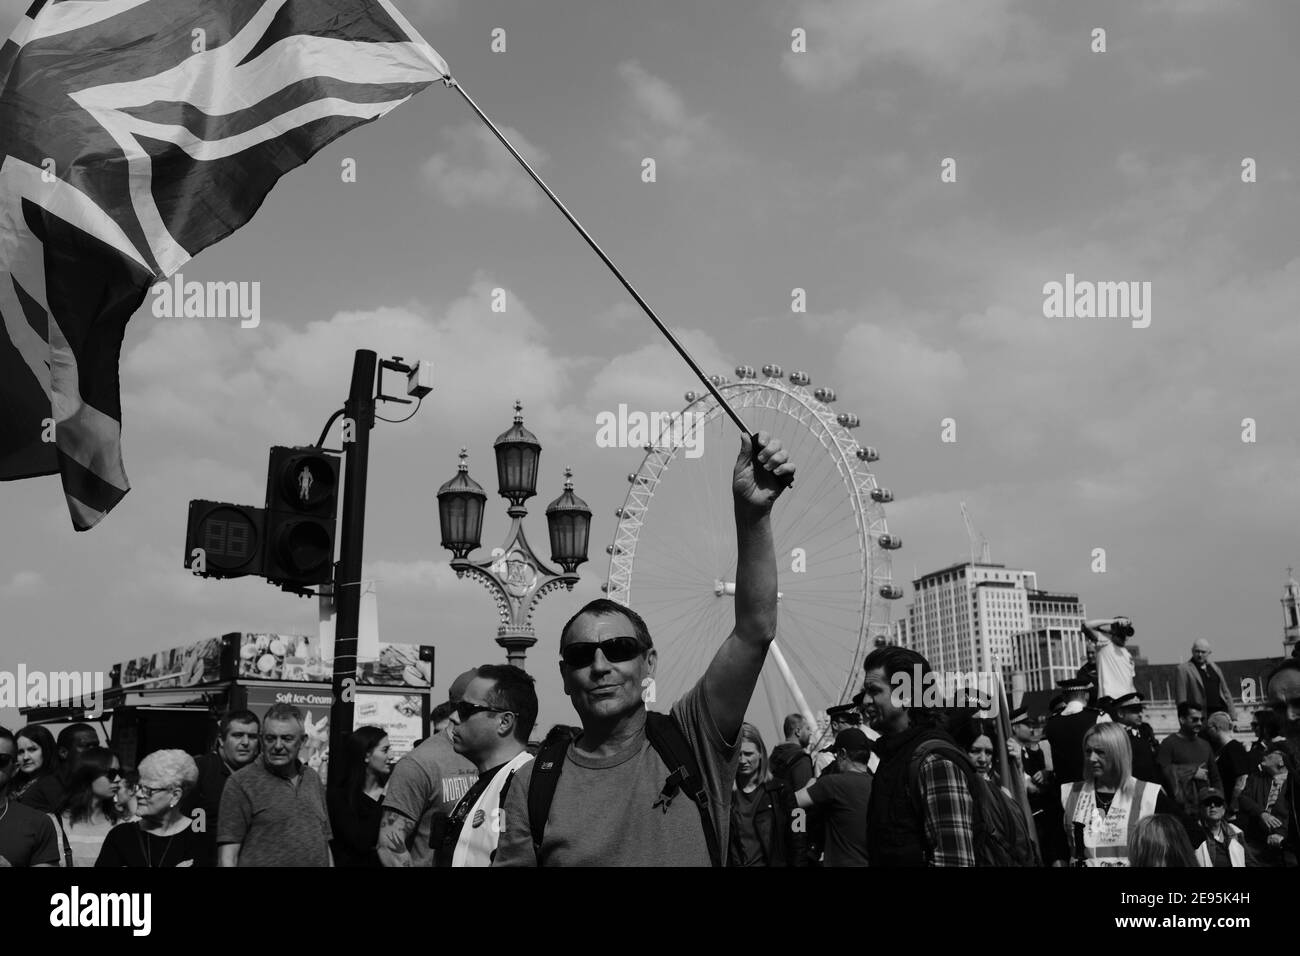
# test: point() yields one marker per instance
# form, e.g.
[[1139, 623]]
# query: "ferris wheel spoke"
[[831, 519], [848, 548], [682, 569], [694, 609], [811, 615], [806, 675], [826, 484], [837, 678]]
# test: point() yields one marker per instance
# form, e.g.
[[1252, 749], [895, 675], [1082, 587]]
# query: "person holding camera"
[[1114, 661]]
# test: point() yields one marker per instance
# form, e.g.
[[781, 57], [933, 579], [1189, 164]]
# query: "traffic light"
[[224, 540], [301, 503]]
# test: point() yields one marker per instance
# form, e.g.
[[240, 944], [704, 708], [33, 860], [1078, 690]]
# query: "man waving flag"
[[133, 134]]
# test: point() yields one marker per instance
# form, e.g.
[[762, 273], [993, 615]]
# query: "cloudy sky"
[[775, 170]]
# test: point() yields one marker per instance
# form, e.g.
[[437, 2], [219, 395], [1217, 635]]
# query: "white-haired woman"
[[162, 836]]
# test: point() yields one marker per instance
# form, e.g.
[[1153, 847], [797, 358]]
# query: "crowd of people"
[[901, 783]]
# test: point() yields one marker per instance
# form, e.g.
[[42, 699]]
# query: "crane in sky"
[[973, 535]]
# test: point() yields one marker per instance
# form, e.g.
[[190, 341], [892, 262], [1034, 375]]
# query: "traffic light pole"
[[360, 412]]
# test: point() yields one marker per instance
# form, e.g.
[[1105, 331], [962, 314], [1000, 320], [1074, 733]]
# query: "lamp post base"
[[516, 644]]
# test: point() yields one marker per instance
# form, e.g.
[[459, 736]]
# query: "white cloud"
[[476, 168], [654, 377], [410, 576], [900, 370], [988, 46], [661, 126], [427, 10], [24, 584], [1191, 7]]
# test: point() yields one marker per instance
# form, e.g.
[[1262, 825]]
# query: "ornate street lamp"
[[515, 576], [518, 452], [569, 520], [460, 511]]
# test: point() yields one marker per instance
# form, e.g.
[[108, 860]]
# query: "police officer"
[[1066, 730], [1128, 713]]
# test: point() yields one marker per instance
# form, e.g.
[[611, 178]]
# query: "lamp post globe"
[[518, 452], [569, 521], [460, 511]]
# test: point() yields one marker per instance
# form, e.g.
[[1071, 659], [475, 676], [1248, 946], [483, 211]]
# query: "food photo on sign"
[[294, 657]]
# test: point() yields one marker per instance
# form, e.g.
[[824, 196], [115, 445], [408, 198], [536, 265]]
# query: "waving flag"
[[133, 134]]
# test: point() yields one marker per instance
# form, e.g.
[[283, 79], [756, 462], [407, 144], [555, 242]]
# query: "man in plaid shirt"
[[931, 823]]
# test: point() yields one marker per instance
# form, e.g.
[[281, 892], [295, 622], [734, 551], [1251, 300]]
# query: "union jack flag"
[[135, 133]]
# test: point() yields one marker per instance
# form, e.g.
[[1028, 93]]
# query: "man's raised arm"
[[730, 680]]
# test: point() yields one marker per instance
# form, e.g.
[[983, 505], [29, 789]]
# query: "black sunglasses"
[[110, 774], [6, 760], [616, 651], [465, 710], [1213, 803]]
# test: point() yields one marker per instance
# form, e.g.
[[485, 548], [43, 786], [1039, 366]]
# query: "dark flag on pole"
[[133, 134]]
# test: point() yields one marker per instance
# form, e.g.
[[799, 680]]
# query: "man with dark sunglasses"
[[27, 836], [490, 725], [422, 790], [610, 797]]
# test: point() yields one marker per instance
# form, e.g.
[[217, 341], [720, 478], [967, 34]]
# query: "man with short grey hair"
[[1201, 682], [273, 811]]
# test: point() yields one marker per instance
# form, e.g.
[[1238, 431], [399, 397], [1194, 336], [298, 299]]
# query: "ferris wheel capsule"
[[800, 378], [891, 542], [848, 420], [745, 371], [882, 495], [605, 587], [772, 371], [867, 453], [824, 395], [691, 396], [890, 592]]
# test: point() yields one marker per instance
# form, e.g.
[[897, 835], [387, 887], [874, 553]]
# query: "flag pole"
[[645, 306], [1017, 779]]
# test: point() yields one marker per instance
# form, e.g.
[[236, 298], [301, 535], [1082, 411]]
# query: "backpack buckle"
[[672, 787]]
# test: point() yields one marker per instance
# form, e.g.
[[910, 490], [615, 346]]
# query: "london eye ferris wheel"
[[673, 557]]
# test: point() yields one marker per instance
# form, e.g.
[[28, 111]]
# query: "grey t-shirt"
[[275, 821], [604, 813], [424, 787]]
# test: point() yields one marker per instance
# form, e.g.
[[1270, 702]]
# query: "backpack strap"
[[927, 747], [67, 850], [541, 788], [683, 775], [937, 745]]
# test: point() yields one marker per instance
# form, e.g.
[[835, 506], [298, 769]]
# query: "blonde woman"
[[765, 810], [1160, 840], [1102, 811]]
